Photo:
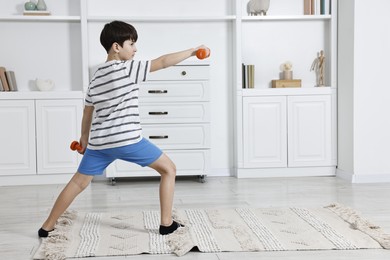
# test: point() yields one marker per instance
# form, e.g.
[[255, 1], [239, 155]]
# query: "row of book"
[[248, 76], [317, 7], [7, 80]]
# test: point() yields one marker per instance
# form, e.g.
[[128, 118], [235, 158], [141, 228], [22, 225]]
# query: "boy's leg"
[[74, 187], [167, 170]]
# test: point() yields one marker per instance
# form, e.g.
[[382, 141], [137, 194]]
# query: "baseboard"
[[347, 176], [285, 172], [363, 178]]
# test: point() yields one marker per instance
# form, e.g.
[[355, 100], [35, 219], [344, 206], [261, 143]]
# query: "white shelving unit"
[[35, 146], [274, 146]]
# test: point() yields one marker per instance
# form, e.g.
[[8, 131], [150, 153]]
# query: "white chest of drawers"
[[175, 115]]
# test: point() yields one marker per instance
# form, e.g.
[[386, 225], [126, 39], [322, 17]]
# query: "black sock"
[[168, 230], [43, 233]]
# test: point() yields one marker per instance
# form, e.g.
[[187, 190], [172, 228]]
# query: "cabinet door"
[[17, 137], [309, 131], [265, 137], [58, 124]]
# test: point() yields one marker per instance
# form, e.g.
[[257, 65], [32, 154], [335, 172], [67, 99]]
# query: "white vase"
[[258, 7], [41, 5]]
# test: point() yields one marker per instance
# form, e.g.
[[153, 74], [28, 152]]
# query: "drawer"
[[182, 72], [188, 162], [174, 91], [175, 113], [178, 136]]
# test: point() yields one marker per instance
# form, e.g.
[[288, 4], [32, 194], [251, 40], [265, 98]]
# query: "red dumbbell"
[[76, 146], [203, 53]]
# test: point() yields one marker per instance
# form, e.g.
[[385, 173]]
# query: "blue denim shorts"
[[143, 153]]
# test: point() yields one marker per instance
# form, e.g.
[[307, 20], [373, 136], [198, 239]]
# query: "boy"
[[115, 131]]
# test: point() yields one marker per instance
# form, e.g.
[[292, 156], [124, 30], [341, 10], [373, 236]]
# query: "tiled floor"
[[23, 208]]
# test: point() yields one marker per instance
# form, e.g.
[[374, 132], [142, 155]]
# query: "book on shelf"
[[248, 76], [7, 80], [325, 7], [11, 80], [317, 7], [322, 7], [307, 7], [313, 7], [243, 76], [3, 79], [251, 76]]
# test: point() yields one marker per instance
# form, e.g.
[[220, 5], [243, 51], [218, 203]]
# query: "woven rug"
[[211, 230]]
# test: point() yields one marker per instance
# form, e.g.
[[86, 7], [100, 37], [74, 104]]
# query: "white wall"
[[369, 126], [345, 85]]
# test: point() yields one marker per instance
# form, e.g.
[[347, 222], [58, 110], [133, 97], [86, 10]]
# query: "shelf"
[[23, 95], [49, 18], [285, 91], [163, 18], [287, 18]]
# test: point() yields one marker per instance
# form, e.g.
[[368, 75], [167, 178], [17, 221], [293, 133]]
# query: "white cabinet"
[[36, 131], [175, 115], [57, 124], [284, 132], [17, 137], [265, 132], [309, 131]]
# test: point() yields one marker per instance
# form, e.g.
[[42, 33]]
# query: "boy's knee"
[[82, 181], [169, 169]]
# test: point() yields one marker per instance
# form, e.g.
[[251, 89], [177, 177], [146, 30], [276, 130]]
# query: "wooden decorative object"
[[291, 83]]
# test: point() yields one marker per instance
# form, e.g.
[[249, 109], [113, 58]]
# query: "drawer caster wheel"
[[113, 181], [202, 178]]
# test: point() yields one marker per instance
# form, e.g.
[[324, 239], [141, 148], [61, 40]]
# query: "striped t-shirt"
[[113, 91]]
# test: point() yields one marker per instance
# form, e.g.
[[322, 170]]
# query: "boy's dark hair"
[[118, 32]]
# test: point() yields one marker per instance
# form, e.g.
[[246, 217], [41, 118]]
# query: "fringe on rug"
[[55, 245], [357, 222], [180, 242]]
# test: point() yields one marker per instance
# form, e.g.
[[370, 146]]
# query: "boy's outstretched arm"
[[171, 59]]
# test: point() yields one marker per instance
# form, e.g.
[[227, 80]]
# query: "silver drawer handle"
[[158, 137], [158, 113], [158, 91]]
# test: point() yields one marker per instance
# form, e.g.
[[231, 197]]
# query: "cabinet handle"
[[183, 73], [158, 91], [158, 113], [158, 137]]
